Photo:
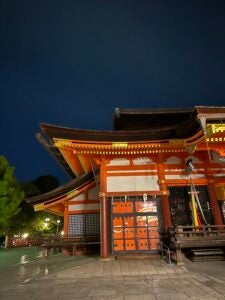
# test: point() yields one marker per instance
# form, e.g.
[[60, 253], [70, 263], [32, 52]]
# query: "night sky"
[[72, 62]]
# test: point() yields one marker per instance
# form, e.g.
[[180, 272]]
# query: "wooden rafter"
[[72, 161], [85, 162]]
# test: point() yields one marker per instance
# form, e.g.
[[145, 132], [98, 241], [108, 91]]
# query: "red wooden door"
[[134, 224]]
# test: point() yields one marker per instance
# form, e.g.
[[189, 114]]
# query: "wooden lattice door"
[[135, 225]]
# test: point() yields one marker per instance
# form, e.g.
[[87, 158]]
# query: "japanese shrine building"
[[129, 185]]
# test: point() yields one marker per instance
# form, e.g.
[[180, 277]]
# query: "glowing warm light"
[[25, 235], [62, 232], [45, 224], [47, 219], [58, 221]]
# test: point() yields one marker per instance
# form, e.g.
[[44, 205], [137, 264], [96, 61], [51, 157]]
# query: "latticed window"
[[180, 204], [222, 205], [204, 201], [82, 225]]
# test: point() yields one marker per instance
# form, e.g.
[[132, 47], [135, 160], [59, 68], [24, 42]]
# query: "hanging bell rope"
[[194, 194]]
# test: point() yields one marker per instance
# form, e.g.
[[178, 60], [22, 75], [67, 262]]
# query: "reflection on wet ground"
[[24, 259], [24, 275], [21, 265]]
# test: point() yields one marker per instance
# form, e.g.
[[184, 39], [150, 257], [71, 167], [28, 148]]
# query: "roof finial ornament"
[[117, 112]]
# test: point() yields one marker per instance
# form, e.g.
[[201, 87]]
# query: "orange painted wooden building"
[[131, 184]]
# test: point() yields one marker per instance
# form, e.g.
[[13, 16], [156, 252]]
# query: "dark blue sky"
[[72, 62]]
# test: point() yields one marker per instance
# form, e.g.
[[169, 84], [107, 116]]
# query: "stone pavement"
[[121, 280]]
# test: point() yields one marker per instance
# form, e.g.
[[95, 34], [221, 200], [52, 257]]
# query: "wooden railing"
[[70, 244], [181, 237], [197, 233]]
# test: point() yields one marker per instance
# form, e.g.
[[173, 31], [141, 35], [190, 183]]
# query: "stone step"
[[155, 256], [206, 254]]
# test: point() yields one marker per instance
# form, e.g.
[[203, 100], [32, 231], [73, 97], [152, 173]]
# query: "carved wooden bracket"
[[221, 151], [101, 194], [159, 158]]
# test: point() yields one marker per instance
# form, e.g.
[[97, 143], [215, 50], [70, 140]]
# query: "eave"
[[54, 200], [79, 151]]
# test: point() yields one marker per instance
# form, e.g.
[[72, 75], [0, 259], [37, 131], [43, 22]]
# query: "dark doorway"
[[180, 207]]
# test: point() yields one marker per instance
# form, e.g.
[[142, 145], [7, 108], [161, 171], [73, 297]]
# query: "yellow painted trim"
[[176, 142], [214, 128], [119, 145], [191, 149], [82, 161], [72, 193], [220, 192], [38, 207], [194, 210]]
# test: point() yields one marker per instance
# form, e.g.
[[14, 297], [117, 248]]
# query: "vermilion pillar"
[[164, 198], [214, 203], [65, 228], [66, 220], [103, 213]]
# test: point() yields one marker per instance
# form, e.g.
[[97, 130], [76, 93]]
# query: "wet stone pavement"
[[90, 278]]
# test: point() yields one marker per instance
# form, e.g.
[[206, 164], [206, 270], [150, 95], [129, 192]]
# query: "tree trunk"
[[6, 241]]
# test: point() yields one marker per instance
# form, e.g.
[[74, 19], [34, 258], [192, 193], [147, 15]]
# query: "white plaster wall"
[[173, 160], [78, 197], [194, 176], [132, 183], [142, 161], [93, 193], [195, 160], [174, 170], [74, 207], [119, 162], [132, 171]]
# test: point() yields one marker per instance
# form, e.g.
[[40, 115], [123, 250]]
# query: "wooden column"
[[164, 198], [65, 228], [66, 220], [216, 211], [214, 203], [103, 213]]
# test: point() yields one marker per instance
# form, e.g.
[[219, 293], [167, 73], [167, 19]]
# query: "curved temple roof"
[[62, 190], [142, 125], [132, 126], [145, 127]]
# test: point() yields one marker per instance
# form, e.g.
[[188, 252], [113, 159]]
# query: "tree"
[[29, 221], [46, 183], [22, 221], [46, 224], [11, 196], [30, 189]]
